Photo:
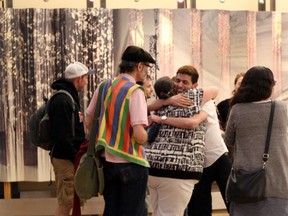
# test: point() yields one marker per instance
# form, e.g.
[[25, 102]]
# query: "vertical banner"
[[36, 45], [196, 40], [165, 43], [276, 49], [284, 57], [136, 31], [251, 38], [224, 45]]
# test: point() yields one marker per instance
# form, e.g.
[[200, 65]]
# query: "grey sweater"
[[246, 130]]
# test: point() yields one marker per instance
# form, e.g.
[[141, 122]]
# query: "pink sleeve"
[[138, 108], [91, 108]]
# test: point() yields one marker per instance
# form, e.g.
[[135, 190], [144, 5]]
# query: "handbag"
[[249, 186], [89, 176]]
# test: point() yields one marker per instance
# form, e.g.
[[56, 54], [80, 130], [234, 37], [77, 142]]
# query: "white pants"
[[170, 197]]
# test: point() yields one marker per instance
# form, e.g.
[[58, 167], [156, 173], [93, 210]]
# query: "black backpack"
[[40, 126]]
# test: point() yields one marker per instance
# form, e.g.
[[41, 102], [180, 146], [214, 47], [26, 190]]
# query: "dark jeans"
[[125, 189], [201, 200]]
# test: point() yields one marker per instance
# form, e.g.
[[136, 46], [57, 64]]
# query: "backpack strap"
[[62, 91]]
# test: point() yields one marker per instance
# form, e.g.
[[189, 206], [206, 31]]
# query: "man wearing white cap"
[[67, 132]]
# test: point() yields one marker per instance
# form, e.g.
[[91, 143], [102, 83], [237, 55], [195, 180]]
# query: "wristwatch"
[[163, 118]]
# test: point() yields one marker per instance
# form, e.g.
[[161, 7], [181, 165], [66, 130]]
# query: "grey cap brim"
[[91, 72]]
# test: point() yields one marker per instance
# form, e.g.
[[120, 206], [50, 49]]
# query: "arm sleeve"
[[209, 107], [138, 108], [230, 132], [92, 106]]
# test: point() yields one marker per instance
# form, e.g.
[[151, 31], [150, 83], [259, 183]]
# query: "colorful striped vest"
[[115, 131]]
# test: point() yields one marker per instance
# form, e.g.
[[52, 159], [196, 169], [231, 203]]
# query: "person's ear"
[[140, 66], [77, 80], [195, 85]]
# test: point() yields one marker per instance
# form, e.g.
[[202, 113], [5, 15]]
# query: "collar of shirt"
[[128, 76]]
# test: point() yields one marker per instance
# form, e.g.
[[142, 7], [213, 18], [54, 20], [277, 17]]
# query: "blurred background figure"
[[223, 109], [148, 86], [223, 106]]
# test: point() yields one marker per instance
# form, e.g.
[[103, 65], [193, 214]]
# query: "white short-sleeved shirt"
[[215, 146]]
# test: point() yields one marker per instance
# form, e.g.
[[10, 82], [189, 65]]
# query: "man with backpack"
[[67, 133]]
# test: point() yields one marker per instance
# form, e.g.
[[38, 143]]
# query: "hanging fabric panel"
[[165, 43], [195, 40], [36, 46]]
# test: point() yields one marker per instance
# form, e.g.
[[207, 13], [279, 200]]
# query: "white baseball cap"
[[77, 69]]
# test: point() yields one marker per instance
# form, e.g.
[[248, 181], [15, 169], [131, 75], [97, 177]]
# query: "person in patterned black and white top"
[[217, 162], [177, 155]]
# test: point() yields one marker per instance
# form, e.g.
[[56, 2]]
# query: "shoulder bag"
[[89, 176]]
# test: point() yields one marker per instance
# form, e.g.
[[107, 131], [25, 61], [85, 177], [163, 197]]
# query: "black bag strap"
[[266, 154], [62, 91], [73, 107], [95, 123]]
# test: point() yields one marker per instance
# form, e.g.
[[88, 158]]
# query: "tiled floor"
[[31, 202], [46, 206]]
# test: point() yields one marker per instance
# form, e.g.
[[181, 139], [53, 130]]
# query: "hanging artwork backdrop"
[[35, 47], [37, 44]]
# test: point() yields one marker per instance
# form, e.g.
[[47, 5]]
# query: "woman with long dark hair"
[[246, 130]]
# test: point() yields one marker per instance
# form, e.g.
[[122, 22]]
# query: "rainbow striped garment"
[[115, 131]]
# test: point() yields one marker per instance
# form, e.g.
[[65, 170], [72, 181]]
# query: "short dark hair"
[[164, 87], [190, 71], [257, 84], [127, 66]]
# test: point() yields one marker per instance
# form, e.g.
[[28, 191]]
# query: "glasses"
[[147, 64]]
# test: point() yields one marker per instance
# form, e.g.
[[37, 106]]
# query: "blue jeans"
[[201, 200], [125, 189]]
